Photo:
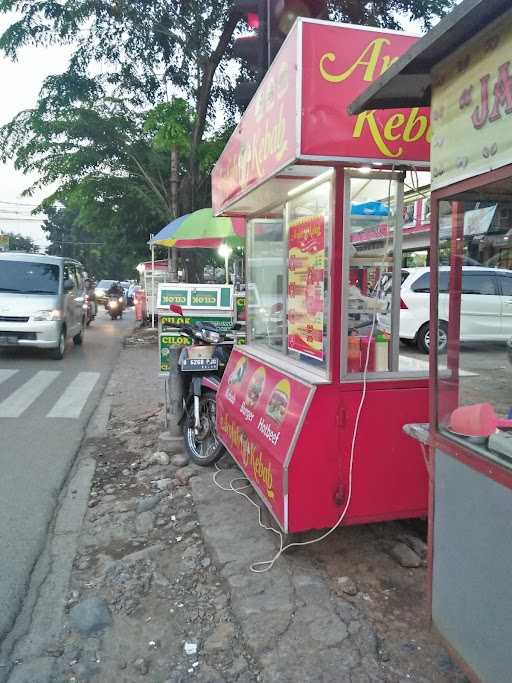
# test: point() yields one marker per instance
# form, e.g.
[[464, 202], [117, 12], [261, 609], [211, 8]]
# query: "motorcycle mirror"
[[174, 308]]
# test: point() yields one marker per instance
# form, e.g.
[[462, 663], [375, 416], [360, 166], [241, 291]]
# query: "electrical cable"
[[263, 566]]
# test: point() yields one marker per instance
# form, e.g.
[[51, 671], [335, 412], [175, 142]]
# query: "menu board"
[[306, 266], [258, 414]]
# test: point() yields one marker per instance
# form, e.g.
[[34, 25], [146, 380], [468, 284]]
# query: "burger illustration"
[[279, 400], [255, 387], [239, 371]]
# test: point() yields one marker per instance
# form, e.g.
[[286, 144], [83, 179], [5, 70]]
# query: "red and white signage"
[[259, 412], [300, 110]]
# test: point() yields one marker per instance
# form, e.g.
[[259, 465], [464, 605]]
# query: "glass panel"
[[475, 318], [266, 277], [308, 229]]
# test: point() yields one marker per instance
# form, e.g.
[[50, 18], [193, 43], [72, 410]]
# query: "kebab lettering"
[[399, 127]]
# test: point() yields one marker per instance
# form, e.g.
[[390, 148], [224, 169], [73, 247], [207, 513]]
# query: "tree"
[[18, 242]]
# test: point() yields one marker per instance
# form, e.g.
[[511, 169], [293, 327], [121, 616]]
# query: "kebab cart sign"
[[306, 258], [258, 415], [195, 297], [300, 109], [472, 107]]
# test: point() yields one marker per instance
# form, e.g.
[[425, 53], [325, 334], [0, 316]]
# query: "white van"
[[486, 305], [41, 301]]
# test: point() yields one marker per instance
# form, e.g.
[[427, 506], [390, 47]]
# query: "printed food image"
[[255, 387], [279, 400], [238, 372]]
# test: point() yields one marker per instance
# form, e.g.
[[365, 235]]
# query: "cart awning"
[[407, 82]]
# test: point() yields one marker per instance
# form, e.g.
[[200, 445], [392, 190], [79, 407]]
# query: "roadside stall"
[[205, 303], [312, 408], [463, 66]]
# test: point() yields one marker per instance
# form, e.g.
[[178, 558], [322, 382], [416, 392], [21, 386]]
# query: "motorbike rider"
[[115, 289], [90, 286]]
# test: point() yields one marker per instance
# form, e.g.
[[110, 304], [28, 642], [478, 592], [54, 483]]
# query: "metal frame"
[[394, 373], [476, 458]]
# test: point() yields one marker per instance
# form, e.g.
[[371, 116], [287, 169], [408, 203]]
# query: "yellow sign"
[[472, 107]]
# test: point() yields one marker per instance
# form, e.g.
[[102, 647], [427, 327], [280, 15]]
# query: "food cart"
[[312, 408], [463, 68]]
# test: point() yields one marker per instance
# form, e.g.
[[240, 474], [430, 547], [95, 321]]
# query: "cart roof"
[[407, 82]]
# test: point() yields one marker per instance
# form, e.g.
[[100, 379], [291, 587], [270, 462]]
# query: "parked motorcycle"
[[114, 306], [202, 365], [89, 309]]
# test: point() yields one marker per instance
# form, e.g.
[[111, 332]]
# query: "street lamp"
[[225, 251]]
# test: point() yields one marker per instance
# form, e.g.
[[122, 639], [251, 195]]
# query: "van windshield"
[[27, 277]]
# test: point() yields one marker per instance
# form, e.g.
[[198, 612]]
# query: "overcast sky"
[[21, 82]]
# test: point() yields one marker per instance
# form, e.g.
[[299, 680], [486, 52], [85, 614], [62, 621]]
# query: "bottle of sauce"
[[354, 353], [381, 352]]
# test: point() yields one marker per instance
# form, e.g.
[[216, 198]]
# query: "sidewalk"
[[161, 588]]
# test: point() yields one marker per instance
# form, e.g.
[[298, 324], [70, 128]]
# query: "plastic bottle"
[[367, 342], [354, 353], [381, 352]]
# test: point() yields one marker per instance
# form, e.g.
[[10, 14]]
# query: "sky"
[[20, 82]]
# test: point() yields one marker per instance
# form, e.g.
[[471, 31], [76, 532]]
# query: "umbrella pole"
[[153, 286]]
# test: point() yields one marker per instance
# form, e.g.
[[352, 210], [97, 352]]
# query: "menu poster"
[[306, 270], [258, 413]]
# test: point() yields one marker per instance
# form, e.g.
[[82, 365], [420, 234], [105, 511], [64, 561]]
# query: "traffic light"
[[271, 21], [252, 49], [282, 16]]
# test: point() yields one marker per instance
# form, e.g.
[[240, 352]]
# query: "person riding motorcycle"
[[115, 289]]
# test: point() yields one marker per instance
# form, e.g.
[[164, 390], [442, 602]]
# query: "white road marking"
[[29, 392], [5, 374], [72, 401]]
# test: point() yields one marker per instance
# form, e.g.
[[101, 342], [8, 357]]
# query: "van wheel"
[[423, 338], [79, 338], [58, 352]]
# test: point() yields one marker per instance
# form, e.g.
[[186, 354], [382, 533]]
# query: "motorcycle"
[[114, 306], [202, 365], [89, 309]]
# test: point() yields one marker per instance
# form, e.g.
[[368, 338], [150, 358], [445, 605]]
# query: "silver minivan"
[[41, 301]]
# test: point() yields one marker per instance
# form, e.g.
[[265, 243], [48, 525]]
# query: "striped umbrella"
[[201, 229]]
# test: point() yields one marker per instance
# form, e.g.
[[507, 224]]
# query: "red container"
[[365, 343]]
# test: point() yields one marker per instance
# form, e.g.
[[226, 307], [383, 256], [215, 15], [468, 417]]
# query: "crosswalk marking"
[[74, 398], [22, 398], [5, 374]]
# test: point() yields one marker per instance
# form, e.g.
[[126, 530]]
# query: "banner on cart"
[[472, 109], [173, 322], [265, 139], [259, 411], [306, 259], [168, 340], [338, 64], [193, 296]]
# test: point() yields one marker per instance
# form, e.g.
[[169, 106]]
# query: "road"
[[44, 408]]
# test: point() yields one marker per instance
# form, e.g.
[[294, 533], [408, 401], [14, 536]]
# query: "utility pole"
[[174, 382]]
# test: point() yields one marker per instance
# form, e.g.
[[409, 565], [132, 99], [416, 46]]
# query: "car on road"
[[486, 305], [101, 290], [41, 301]]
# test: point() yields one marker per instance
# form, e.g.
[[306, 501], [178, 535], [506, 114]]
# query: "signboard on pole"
[[4, 242]]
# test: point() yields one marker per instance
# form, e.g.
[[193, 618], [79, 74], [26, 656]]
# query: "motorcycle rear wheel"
[[204, 448]]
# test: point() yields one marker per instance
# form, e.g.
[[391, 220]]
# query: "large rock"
[[184, 474], [221, 638], [159, 458], [147, 503], [90, 615], [145, 522], [170, 444], [179, 460], [405, 556]]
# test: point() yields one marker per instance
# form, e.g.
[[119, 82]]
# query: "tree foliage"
[[147, 79], [18, 242]]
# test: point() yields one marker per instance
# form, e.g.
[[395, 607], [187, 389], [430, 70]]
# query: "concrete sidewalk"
[[161, 587]]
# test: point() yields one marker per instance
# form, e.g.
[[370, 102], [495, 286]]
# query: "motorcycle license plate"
[[199, 364]]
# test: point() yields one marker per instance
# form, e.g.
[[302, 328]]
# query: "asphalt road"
[[44, 408]]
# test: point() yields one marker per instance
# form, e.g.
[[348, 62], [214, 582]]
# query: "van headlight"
[[46, 316]]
